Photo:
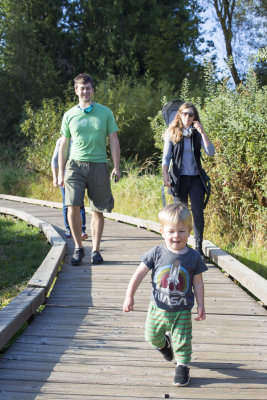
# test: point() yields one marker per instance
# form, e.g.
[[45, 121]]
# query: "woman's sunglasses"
[[187, 113]]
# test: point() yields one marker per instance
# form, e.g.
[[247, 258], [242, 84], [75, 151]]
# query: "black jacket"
[[177, 155]]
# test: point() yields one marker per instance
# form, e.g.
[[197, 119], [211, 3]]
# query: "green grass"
[[22, 250]]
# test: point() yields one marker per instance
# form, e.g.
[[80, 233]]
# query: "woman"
[[183, 141]]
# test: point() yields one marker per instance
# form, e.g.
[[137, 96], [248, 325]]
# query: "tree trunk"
[[224, 10]]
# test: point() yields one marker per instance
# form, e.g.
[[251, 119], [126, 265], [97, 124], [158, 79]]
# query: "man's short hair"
[[83, 78], [175, 213]]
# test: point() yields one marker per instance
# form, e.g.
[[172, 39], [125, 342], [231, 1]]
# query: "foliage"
[[135, 34], [17, 267], [158, 126], [29, 40], [236, 122], [41, 128], [132, 103]]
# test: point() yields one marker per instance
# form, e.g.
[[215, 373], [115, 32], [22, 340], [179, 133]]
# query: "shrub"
[[41, 128]]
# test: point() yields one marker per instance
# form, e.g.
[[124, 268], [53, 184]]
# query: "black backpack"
[[170, 110]]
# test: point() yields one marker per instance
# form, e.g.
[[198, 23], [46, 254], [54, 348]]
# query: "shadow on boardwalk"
[[82, 346]]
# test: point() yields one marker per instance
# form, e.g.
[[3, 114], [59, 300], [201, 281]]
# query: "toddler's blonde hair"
[[175, 213]]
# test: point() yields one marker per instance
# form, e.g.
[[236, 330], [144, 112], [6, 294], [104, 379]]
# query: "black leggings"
[[191, 185]]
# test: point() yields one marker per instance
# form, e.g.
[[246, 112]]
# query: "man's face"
[[85, 92]]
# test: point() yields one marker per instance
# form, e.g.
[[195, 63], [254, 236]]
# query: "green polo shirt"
[[88, 132]]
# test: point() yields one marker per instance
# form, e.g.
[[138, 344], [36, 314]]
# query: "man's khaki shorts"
[[94, 177]]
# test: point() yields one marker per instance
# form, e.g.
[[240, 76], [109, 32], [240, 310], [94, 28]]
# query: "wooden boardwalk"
[[82, 346]]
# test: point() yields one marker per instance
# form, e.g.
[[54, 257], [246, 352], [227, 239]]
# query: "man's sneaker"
[[67, 233], [84, 236], [182, 376], [77, 256], [166, 351], [96, 257]]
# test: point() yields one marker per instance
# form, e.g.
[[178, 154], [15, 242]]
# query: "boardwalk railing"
[[19, 310]]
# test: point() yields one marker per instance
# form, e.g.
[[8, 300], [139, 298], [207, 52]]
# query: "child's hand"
[[55, 181], [201, 314], [128, 304]]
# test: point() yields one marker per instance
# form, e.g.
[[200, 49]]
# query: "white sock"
[[185, 365]]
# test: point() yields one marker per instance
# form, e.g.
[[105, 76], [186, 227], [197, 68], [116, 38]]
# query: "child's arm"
[[198, 286], [54, 163], [135, 281]]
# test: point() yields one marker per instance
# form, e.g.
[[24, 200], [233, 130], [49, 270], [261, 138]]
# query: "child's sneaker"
[[166, 351], [67, 233], [182, 376], [84, 236]]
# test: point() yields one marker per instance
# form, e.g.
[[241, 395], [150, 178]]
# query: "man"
[[88, 124]]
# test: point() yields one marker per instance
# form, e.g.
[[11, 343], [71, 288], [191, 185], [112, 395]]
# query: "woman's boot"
[[198, 247]]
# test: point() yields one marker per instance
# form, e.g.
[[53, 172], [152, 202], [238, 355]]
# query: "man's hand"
[[115, 175]]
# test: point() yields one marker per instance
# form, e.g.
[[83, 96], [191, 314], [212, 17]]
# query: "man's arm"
[[62, 158], [115, 153], [198, 286], [134, 283]]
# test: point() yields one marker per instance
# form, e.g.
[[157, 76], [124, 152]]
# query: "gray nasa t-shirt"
[[172, 277]]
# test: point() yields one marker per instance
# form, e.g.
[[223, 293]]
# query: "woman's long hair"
[[175, 129]]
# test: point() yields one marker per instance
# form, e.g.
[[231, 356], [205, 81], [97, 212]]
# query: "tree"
[[243, 25], [29, 37], [135, 37], [224, 10]]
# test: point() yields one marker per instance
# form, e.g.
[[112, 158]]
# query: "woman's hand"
[[199, 127], [167, 182], [166, 178]]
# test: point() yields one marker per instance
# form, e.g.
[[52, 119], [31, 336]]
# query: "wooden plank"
[[248, 278], [49, 361], [18, 311], [46, 396], [46, 273], [145, 376], [106, 391]]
